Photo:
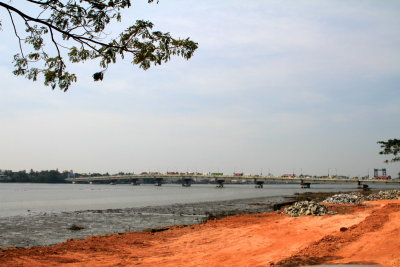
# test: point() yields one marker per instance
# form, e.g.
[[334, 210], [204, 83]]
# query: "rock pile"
[[349, 198], [388, 194], [306, 208]]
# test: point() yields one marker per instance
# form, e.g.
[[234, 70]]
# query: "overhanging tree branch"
[[66, 33], [83, 23], [16, 33]]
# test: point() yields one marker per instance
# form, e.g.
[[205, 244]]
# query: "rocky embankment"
[[303, 208], [388, 194]]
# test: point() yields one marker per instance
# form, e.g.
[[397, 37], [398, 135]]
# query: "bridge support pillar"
[[135, 181], [362, 186], [113, 182], [159, 181], [258, 184], [186, 182], [220, 183], [305, 185]]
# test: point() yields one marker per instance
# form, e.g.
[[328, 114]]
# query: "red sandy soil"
[[366, 234]]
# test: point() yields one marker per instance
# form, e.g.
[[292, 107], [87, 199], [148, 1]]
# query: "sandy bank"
[[358, 234]]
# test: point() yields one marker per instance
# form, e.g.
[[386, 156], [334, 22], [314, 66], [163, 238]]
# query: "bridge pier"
[[305, 185], [362, 186], [159, 181], [113, 182], [135, 181], [186, 182], [258, 184], [220, 182]]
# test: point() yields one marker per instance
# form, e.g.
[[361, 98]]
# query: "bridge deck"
[[255, 178]]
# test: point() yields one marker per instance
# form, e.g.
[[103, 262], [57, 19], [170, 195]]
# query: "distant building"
[[383, 176], [3, 177], [71, 174]]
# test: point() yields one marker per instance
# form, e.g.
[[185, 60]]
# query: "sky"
[[275, 86]]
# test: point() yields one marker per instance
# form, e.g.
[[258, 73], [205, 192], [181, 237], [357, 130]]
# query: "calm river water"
[[42, 214], [23, 199]]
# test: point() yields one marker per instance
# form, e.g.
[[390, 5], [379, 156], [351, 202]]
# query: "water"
[[41, 214], [23, 199]]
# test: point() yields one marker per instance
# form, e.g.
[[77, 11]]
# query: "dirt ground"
[[366, 234]]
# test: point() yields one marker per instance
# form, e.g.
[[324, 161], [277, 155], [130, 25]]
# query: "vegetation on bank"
[[48, 176]]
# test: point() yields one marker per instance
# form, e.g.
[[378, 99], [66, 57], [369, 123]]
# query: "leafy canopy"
[[75, 30], [390, 147]]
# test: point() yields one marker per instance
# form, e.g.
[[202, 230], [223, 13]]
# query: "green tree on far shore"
[[51, 176]]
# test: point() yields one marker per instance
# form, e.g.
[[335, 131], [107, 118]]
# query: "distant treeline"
[[52, 176]]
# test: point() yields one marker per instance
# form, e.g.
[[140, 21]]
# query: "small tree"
[[390, 147], [75, 29]]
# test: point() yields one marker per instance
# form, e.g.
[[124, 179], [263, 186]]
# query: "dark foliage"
[[390, 147], [52, 176]]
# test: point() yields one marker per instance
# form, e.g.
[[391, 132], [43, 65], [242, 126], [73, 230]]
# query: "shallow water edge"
[[51, 228]]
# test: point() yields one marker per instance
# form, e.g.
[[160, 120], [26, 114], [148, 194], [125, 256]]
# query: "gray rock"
[[348, 198], [302, 208]]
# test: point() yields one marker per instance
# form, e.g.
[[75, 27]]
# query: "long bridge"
[[258, 180]]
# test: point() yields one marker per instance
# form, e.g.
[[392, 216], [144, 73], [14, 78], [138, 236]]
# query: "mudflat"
[[358, 234], [46, 229]]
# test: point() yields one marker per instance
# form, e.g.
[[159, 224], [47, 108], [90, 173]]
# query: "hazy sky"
[[279, 86]]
